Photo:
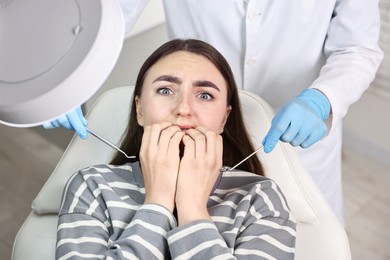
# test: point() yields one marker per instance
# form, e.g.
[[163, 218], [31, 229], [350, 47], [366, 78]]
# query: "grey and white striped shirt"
[[102, 216]]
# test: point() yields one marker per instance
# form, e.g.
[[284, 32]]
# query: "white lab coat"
[[278, 48]]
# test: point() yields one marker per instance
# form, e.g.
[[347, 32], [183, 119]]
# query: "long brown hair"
[[236, 142]]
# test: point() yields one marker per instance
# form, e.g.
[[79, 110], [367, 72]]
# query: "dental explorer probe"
[[246, 158], [108, 143]]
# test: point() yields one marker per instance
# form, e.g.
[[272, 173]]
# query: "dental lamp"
[[54, 55]]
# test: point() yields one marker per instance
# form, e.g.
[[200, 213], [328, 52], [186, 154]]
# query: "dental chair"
[[320, 235]]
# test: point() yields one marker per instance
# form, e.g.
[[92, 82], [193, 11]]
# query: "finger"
[[151, 138], [145, 140], [290, 133], [307, 128], [77, 124], [308, 142], [279, 125], [219, 148], [55, 123], [200, 142], [300, 137], [174, 145], [155, 132], [211, 139], [149, 141], [166, 138], [81, 116], [189, 147], [49, 125], [214, 148], [315, 136], [63, 121]]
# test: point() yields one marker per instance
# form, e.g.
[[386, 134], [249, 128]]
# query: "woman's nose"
[[183, 106]]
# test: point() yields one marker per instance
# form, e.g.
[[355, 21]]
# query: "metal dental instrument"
[[108, 143], [246, 158]]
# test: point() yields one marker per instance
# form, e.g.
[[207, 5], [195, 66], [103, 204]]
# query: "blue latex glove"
[[74, 120], [301, 122]]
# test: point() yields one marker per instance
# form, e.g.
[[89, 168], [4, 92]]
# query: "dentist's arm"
[[301, 122]]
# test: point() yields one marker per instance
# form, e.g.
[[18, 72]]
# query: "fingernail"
[[83, 135]]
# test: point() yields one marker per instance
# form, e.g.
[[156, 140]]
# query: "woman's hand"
[[198, 172], [160, 158]]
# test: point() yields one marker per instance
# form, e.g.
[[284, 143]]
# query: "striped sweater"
[[102, 216]]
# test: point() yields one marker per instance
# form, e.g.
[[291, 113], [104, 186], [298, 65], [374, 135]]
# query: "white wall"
[[367, 124], [147, 35], [135, 51]]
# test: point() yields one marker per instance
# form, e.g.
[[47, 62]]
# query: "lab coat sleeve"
[[131, 10], [352, 52]]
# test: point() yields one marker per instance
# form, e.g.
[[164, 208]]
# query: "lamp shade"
[[54, 55]]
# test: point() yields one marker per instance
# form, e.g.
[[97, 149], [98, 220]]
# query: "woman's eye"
[[164, 91], [206, 96]]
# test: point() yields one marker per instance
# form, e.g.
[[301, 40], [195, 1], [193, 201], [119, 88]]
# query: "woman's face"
[[186, 90]]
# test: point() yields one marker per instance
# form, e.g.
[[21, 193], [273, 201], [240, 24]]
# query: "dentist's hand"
[[74, 120], [301, 122]]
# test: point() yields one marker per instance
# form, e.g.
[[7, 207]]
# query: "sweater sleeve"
[[260, 226], [87, 230]]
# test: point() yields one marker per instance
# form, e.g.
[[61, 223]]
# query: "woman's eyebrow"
[[205, 83], [176, 80], [168, 78]]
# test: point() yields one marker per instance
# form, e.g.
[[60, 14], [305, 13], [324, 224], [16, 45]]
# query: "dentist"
[[309, 59]]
